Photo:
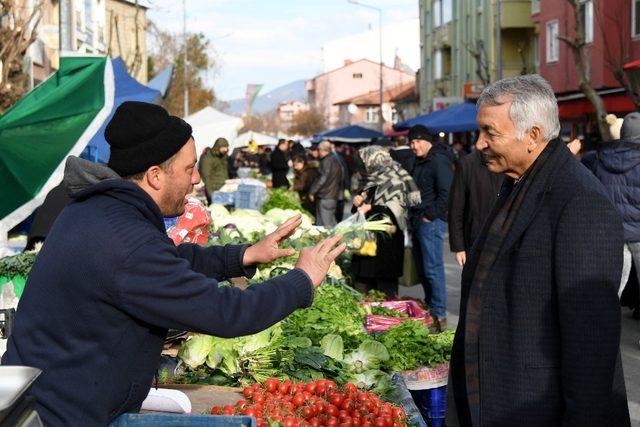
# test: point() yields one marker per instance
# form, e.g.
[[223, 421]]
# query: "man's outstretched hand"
[[267, 249], [316, 260]]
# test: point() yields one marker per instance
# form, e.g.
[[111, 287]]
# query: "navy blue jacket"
[[433, 175], [618, 168], [105, 288]]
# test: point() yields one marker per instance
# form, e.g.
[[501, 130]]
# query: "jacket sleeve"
[[158, 287], [588, 265], [457, 205], [444, 176], [322, 178], [216, 262]]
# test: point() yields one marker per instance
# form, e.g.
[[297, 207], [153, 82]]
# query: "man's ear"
[[154, 177], [535, 137]]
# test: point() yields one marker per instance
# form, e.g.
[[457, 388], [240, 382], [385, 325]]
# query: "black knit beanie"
[[420, 132], [142, 135]]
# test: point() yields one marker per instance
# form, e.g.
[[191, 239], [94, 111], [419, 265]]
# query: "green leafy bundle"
[[411, 345], [17, 265], [335, 310], [283, 199]]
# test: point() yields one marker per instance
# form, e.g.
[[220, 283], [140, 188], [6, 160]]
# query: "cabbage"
[[195, 350], [332, 346], [369, 355]]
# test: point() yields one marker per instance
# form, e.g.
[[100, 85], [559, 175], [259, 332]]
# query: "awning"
[[631, 65], [350, 133], [457, 118], [618, 102]]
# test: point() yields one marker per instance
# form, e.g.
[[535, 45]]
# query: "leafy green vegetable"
[[369, 355], [410, 346], [379, 310], [283, 199], [333, 346], [195, 350], [17, 265]]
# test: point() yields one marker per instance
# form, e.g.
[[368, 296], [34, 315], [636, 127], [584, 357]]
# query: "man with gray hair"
[[538, 339]]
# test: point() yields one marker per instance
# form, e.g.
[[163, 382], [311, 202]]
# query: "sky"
[[272, 42]]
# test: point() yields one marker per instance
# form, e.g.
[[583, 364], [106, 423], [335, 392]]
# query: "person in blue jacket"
[[109, 283], [617, 166]]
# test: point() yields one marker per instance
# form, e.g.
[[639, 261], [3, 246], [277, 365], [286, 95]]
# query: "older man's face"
[[502, 151]]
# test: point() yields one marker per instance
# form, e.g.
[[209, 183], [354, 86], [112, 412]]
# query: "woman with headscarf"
[[389, 190]]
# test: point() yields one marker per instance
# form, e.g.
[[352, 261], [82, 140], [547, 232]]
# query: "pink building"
[[287, 110], [351, 80]]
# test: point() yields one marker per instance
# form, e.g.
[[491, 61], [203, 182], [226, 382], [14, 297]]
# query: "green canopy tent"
[[53, 121]]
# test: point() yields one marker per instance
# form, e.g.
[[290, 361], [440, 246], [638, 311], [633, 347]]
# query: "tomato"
[[258, 398], [262, 423], [271, 384], [333, 421], [350, 388], [315, 422], [379, 422], [347, 405], [250, 412], [284, 387], [311, 387], [336, 399], [248, 392], [332, 410], [307, 412], [362, 397], [320, 388], [276, 418], [290, 422], [373, 408], [398, 413], [228, 410], [343, 414], [241, 404], [299, 399], [388, 421], [215, 410], [386, 409]]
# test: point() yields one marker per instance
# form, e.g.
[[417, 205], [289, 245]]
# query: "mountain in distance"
[[270, 100]]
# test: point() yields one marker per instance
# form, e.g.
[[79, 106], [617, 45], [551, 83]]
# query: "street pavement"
[[629, 341]]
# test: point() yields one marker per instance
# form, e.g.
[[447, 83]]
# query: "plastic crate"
[[432, 404], [222, 198], [175, 420], [250, 197]]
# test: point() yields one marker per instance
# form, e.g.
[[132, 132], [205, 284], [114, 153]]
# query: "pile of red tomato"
[[318, 403]]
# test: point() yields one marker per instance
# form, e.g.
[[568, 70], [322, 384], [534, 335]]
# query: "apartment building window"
[[552, 43], [535, 6], [442, 12], [635, 18], [372, 115], [357, 75], [586, 10], [437, 65]]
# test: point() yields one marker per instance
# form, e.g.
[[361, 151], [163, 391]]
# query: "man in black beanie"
[[432, 172], [109, 283]]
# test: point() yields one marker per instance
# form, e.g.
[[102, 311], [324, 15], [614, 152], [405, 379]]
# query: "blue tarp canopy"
[[162, 81], [350, 133], [457, 118], [126, 89]]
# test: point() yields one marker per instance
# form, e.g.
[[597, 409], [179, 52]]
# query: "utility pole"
[[184, 72], [379, 10]]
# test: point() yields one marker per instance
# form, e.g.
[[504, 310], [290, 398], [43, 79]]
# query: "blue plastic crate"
[[249, 197], [222, 198], [432, 403], [179, 420]]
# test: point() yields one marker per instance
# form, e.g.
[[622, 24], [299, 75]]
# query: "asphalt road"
[[629, 341]]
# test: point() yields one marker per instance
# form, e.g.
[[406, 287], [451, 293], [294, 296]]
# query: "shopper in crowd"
[[390, 191], [339, 151], [538, 340], [213, 167], [328, 188], [109, 282], [297, 150], [617, 166], [459, 149], [432, 173], [314, 153], [264, 160], [402, 153], [385, 143], [305, 175], [280, 165], [473, 192]]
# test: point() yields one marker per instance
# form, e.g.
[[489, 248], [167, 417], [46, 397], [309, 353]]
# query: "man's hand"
[[358, 200], [461, 258], [316, 260], [266, 250], [363, 209]]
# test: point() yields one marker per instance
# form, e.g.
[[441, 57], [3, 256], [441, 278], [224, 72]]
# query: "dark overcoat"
[[550, 331]]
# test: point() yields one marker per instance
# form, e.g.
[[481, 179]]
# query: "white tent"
[[210, 124], [260, 138]]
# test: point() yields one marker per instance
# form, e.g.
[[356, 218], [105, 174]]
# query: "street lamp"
[[379, 10]]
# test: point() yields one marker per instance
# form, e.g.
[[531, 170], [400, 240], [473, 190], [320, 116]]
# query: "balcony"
[[441, 36], [516, 14]]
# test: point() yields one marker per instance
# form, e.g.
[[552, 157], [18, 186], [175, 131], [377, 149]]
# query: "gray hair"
[[532, 103]]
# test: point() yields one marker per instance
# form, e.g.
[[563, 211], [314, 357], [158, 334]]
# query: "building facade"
[[472, 42], [287, 110], [349, 81], [125, 34], [612, 34]]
